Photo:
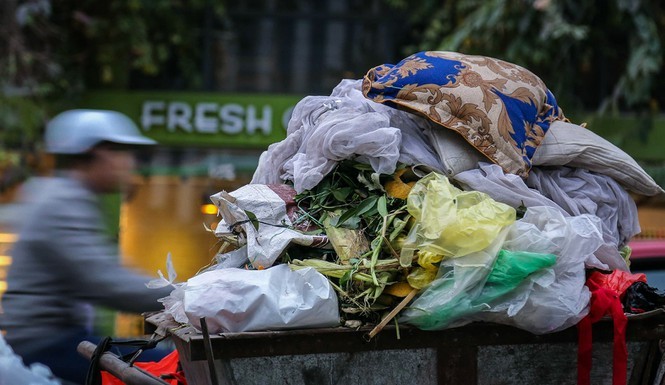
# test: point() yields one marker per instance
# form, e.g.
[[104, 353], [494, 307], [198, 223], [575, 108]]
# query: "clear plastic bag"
[[538, 298], [556, 298], [510, 269], [451, 222], [450, 296]]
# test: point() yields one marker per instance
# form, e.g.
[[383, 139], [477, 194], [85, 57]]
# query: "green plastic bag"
[[451, 222], [470, 284], [510, 269]]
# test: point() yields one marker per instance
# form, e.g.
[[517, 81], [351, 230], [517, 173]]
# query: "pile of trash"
[[442, 190]]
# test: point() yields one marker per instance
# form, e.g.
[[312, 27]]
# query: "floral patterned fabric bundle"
[[502, 109]]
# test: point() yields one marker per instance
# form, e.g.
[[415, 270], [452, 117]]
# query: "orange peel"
[[399, 289], [396, 188]]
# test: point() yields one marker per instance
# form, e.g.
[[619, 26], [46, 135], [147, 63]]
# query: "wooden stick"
[[392, 314], [130, 375], [207, 344]]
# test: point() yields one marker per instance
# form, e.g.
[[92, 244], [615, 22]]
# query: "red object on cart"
[[606, 292], [167, 369]]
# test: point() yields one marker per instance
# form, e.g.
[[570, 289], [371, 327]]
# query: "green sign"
[[207, 119]]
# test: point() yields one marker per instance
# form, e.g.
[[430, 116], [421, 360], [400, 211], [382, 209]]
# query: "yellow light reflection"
[[5, 260], [8, 237], [209, 209]]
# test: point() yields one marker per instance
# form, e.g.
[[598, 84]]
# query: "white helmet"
[[77, 131]]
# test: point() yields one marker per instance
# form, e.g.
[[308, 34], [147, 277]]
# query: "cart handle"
[[130, 375]]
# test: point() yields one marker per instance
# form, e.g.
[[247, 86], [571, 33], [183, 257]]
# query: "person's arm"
[[90, 261]]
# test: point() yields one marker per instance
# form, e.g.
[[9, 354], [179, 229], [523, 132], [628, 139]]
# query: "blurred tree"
[[593, 54], [21, 92], [54, 50]]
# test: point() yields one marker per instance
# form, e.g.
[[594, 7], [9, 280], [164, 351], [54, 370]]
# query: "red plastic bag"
[[606, 293], [167, 368], [617, 280]]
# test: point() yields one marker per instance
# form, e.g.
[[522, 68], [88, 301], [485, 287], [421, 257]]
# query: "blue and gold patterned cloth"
[[500, 108]]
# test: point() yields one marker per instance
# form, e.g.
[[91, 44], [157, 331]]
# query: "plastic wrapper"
[[451, 222], [635, 294], [263, 216], [616, 280], [531, 296], [510, 269], [13, 371], [581, 192], [420, 276], [640, 297], [555, 298], [451, 295], [238, 300], [173, 303]]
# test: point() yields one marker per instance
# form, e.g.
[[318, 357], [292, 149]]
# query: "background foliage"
[[593, 54], [604, 55], [54, 50]]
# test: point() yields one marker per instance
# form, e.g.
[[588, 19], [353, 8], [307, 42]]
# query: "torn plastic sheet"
[[264, 219]]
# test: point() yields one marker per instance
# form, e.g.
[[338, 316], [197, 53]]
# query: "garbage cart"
[[478, 353]]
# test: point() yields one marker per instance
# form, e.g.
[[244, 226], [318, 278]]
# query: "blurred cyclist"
[[63, 262]]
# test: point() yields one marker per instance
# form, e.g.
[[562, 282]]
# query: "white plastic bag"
[[549, 300], [13, 371], [557, 298], [270, 229], [238, 300]]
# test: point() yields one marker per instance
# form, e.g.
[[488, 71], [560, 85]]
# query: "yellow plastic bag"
[[422, 275], [451, 222]]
